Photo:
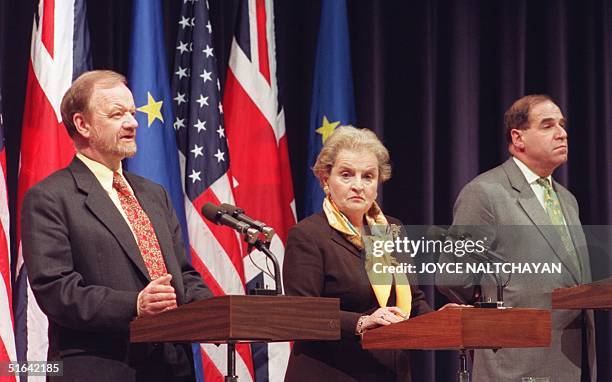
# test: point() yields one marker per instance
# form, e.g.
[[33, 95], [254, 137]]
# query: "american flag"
[[216, 251], [256, 178], [7, 337], [59, 53]]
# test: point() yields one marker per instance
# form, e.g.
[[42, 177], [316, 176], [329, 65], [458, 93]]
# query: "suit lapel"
[[339, 239], [100, 204], [574, 227], [533, 209]]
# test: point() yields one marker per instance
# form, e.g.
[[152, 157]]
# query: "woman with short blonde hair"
[[326, 256]]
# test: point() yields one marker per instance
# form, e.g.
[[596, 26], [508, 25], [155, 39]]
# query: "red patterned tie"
[[141, 225]]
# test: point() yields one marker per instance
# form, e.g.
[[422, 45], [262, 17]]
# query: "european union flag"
[[332, 95], [157, 157]]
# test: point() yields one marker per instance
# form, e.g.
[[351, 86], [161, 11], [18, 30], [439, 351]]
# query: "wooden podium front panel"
[[428, 331], [283, 318], [506, 328], [187, 322], [243, 319], [597, 295], [463, 328]]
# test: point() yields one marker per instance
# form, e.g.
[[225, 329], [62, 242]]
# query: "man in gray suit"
[[104, 246], [527, 217]]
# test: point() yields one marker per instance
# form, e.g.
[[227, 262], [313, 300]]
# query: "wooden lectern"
[[236, 319], [465, 328], [597, 295]]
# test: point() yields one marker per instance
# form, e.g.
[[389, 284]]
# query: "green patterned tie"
[[553, 209]]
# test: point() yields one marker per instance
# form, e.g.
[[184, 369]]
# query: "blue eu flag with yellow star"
[[157, 156], [332, 91]]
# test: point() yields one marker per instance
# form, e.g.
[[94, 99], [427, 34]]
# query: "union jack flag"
[[59, 53]]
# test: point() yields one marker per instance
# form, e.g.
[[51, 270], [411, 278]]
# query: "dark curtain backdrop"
[[432, 78]]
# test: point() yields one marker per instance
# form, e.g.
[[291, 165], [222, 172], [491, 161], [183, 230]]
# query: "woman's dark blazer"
[[320, 262]]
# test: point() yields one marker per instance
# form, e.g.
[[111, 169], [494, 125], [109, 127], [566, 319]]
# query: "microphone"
[[219, 216], [238, 213], [435, 232], [488, 256]]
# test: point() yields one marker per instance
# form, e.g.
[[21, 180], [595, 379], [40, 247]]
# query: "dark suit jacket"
[[86, 271], [501, 206], [320, 262]]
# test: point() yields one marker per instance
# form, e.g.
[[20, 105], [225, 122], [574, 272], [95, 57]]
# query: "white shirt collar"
[[529, 175], [100, 171]]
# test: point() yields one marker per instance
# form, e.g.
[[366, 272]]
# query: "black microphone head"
[[436, 233], [459, 232], [232, 210], [211, 212]]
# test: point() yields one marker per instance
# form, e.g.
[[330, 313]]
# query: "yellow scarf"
[[380, 229]]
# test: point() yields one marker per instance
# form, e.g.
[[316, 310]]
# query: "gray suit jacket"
[[500, 205], [86, 270]]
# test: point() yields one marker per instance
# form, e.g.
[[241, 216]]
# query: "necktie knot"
[[544, 183], [119, 184]]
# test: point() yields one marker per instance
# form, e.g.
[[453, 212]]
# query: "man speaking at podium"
[[527, 217], [103, 246]]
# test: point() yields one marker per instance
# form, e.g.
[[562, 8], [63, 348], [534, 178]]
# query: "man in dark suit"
[[103, 246], [527, 217]]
